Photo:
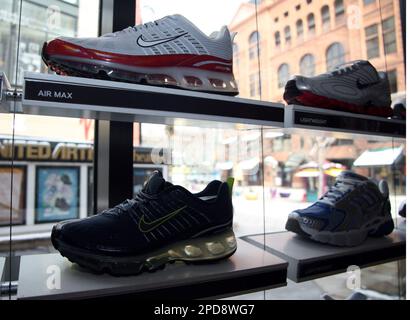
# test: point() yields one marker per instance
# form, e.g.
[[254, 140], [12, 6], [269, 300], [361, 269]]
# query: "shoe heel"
[[198, 250], [384, 229]]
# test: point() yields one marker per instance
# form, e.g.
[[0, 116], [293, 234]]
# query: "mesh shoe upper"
[[160, 214], [167, 36], [350, 203], [357, 83]]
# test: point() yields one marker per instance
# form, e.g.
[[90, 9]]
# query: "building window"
[[288, 36], [276, 19], [335, 55], [366, 2], [235, 51], [277, 38], [299, 28], [308, 1], [389, 35], [283, 75], [392, 76], [307, 65], [253, 45], [286, 14], [297, 8], [254, 85], [311, 23], [325, 18], [339, 11], [372, 41]]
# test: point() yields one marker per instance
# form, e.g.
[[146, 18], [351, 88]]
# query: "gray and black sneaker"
[[353, 209], [352, 87], [163, 223]]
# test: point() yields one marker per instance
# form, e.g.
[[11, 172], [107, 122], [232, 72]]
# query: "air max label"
[[55, 94]]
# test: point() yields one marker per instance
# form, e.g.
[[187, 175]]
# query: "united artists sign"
[[28, 150]]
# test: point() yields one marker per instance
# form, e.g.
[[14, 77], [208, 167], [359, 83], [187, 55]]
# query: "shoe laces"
[[338, 191], [124, 207], [346, 68], [146, 25]]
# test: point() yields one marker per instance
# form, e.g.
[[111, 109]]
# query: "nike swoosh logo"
[[361, 85], [145, 226], [151, 43]]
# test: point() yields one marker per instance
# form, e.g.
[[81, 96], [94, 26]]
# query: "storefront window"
[[389, 35], [372, 41], [325, 17], [283, 75], [307, 65], [51, 158], [47, 169], [253, 45], [335, 55], [299, 28]]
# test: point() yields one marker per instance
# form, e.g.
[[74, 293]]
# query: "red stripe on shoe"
[[211, 63], [310, 99]]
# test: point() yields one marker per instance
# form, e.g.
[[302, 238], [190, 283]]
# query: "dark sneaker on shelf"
[[353, 87], [399, 108], [163, 223], [353, 209], [402, 209]]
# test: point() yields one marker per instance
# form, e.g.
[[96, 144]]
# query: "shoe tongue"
[[155, 183], [371, 71], [350, 175]]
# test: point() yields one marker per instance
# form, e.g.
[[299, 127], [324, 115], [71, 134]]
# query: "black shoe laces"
[[345, 68], [338, 190], [124, 207], [146, 25]]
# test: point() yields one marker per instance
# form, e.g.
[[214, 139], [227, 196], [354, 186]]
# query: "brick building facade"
[[309, 37]]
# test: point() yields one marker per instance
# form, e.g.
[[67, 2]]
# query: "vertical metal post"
[[113, 145], [403, 29]]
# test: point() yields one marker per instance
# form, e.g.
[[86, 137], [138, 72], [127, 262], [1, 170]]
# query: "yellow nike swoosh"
[[145, 226]]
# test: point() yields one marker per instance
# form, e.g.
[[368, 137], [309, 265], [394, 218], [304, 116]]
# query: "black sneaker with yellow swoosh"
[[162, 224]]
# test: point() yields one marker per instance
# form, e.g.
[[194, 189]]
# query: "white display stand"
[[50, 276], [310, 260]]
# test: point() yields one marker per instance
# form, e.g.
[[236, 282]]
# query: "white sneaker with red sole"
[[170, 52]]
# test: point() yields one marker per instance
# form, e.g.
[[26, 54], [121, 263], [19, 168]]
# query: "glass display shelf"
[[309, 260], [302, 117], [249, 269], [26, 240], [53, 95]]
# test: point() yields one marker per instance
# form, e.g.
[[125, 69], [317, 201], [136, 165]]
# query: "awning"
[[378, 157], [273, 135], [307, 173], [314, 173], [251, 136], [295, 160], [311, 169], [249, 164], [228, 165], [269, 160]]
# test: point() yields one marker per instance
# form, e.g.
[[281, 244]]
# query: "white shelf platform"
[[310, 260], [249, 269]]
